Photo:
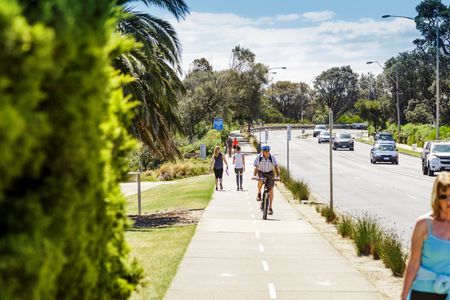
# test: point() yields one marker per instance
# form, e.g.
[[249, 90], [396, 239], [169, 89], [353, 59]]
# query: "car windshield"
[[321, 127], [385, 148], [441, 148], [324, 133], [344, 136], [385, 138]]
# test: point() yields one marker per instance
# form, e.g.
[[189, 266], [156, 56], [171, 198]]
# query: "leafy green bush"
[[179, 169], [63, 143], [211, 139], [419, 133]]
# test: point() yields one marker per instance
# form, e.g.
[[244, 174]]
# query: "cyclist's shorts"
[[269, 177]]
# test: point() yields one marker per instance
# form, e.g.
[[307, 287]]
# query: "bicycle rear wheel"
[[265, 205]]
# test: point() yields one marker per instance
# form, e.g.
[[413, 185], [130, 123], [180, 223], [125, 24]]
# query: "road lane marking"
[[272, 291], [253, 216], [257, 234], [378, 185], [251, 208], [265, 265], [261, 247], [413, 197], [248, 202], [254, 222]]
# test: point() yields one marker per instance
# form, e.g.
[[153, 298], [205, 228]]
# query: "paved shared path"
[[234, 254]]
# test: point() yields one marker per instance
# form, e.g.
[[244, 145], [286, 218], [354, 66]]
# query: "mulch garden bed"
[[167, 218]]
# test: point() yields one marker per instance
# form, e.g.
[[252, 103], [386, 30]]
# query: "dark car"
[[384, 153], [343, 141]]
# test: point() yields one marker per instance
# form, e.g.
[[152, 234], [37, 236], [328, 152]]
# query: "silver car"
[[318, 129], [324, 137], [384, 153]]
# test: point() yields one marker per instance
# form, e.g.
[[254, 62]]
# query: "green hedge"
[[419, 133], [63, 144]]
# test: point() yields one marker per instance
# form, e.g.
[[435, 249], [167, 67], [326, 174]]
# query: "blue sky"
[[306, 36]]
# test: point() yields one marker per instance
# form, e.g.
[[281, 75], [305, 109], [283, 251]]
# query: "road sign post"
[[266, 135], [218, 124]]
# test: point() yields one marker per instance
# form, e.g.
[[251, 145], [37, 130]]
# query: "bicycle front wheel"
[[265, 205]]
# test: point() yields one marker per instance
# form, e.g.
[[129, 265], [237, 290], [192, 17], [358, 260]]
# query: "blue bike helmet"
[[265, 148]]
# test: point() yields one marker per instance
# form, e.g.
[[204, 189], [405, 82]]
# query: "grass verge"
[[159, 251], [177, 195]]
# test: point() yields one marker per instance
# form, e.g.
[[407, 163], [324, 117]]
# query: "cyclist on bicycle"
[[265, 164]]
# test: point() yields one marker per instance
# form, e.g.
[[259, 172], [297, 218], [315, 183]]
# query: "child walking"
[[239, 167]]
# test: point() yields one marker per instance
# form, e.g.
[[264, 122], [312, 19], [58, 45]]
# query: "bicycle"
[[265, 200]]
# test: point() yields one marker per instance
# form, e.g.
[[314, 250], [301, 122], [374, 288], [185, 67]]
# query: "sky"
[[305, 36]]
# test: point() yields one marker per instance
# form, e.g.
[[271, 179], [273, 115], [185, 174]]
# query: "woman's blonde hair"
[[216, 151], [442, 181]]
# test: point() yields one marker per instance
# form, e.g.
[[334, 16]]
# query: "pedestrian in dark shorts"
[[217, 160], [239, 167]]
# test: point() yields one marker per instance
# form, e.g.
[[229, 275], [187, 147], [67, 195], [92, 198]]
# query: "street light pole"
[[396, 92], [437, 68], [437, 79]]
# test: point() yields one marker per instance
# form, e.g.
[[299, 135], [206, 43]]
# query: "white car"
[[324, 137], [435, 157], [318, 129]]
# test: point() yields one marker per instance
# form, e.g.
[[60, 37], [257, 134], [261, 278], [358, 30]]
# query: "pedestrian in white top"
[[239, 167]]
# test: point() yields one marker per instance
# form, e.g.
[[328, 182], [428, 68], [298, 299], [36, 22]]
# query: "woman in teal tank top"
[[427, 275]]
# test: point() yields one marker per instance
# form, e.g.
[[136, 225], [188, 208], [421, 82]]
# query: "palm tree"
[[155, 67]]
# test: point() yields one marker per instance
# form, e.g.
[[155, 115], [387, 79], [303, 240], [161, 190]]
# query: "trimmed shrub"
[[63, 143], [329, 215]]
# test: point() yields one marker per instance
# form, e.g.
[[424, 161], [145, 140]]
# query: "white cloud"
[[305, 51], [287, 18], [319, 16]]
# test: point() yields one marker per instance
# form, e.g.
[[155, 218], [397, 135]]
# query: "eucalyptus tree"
[[289, 98], [337, 89], [155, 67]]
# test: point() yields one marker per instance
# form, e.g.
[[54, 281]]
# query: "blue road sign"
[[218, 124]]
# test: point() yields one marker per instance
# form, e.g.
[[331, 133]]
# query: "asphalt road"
[[395, 194]]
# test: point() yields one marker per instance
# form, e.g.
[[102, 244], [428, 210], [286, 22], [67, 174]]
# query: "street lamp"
[[437, 68], [396, 91]]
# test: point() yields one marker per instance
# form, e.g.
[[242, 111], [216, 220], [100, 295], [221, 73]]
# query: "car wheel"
[[430, 172], [352, 149], [318, 142], [396, 162], [334, 148]]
